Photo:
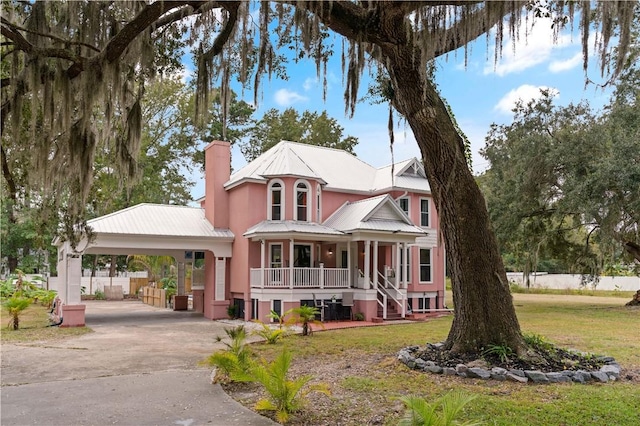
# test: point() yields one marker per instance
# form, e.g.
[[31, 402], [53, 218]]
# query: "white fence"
[[91, 284], [573, 282]]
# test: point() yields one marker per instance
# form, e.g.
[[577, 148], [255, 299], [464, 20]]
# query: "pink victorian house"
[[318, 226]]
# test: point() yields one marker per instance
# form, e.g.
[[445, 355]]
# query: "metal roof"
[[158, 219], [337, 169], [372, 214], [289, 227]]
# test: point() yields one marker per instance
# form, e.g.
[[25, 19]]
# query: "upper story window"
[[404, 205], [276, 201], [302, 201], [318, 203], [424, 212]]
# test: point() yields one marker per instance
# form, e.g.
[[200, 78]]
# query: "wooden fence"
[[154, 297]]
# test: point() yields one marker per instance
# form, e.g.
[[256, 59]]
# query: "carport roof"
[[158, 220]]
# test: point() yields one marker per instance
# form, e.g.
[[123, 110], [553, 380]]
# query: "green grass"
[[598, 327], [34, 323], [573, 292]]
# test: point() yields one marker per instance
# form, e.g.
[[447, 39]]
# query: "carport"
[[149, 229]]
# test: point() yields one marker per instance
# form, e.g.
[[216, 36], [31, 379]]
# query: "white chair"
[[320, 305], [347, 302]]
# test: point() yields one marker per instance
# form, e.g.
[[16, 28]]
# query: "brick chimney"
[[217, 161]]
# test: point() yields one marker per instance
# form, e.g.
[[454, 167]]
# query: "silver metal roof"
[[158, 219], [289, 227], [336, 168]]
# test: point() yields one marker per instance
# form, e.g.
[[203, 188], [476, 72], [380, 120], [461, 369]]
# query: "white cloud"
[[525, 93], [530, 50], [567, 64], [285, 98], [310, 83]]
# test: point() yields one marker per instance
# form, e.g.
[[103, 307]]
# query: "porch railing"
[[299, 278]]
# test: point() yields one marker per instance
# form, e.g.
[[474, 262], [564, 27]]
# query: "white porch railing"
[[394, 293], [300, 278]]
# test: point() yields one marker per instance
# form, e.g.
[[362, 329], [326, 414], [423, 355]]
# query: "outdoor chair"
[[347, 302], [320, 305]]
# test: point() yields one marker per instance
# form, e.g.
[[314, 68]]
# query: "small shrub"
[[99, 294], [15, 305], [359, 316], [270, 335], [502, 352], [443, 411], [305, 315], [232, 311], [284, 396], [236, 360], [536, 341]]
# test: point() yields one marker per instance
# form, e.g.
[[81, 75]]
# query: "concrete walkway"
[[138, 367]]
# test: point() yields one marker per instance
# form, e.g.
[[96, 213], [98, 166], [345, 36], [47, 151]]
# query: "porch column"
[[367, 264], [375, 264], [405, 249], [262, 262], [398, 264], [291, 244], [181, 275], [221, 266], [350, 273]]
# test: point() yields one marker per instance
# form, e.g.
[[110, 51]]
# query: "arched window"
[[276, 201], [302, 201]]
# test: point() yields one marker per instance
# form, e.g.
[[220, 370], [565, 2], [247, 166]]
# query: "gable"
[[385, 212]]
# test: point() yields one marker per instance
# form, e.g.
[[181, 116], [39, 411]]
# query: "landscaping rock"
[[448, 371], [499, 371], [499, 377], [461, 368], [477, 372], [404, 356], [515, 378], [611, 370], [421, 364], [435, 369], [558, 378], [600, 376], [519, 373], [478, 363], [536, 376]]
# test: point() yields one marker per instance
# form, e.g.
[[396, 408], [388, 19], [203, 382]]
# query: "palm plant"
[[305, 315], [154, 265], [16, 305], [421, 413], [284, 396], [270, 335], [235, 361]]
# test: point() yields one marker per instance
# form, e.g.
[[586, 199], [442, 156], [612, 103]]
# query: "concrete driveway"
[[139, 366]]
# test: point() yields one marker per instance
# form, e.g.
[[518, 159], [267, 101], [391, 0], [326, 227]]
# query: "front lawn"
[[361, 368], [34, 323]]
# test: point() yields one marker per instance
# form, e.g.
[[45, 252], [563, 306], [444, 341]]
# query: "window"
[[424, 304], [404, 205], [276, 201], [275, 255], [302, 196], [424, 212], [254, 309], [276, 306], [425, 265]]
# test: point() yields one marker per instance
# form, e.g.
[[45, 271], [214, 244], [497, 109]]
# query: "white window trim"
[[428, 200], [282, 199], [408, 212], [430, 266], [409, 267], [295, 200]]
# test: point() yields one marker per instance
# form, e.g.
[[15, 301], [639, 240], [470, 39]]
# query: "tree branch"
[[51, 36]]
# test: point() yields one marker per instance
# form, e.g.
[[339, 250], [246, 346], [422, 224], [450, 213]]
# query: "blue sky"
[[479, 94]]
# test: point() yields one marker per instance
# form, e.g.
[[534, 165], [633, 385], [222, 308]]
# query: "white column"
[[350, 274], [74, 276], [262, 262], [367, 263], [397, 265], [221, 266], [291, 244], [406, 265], [375, 264]]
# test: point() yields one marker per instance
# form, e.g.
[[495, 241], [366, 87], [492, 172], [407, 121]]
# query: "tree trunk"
[[484, 311]]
